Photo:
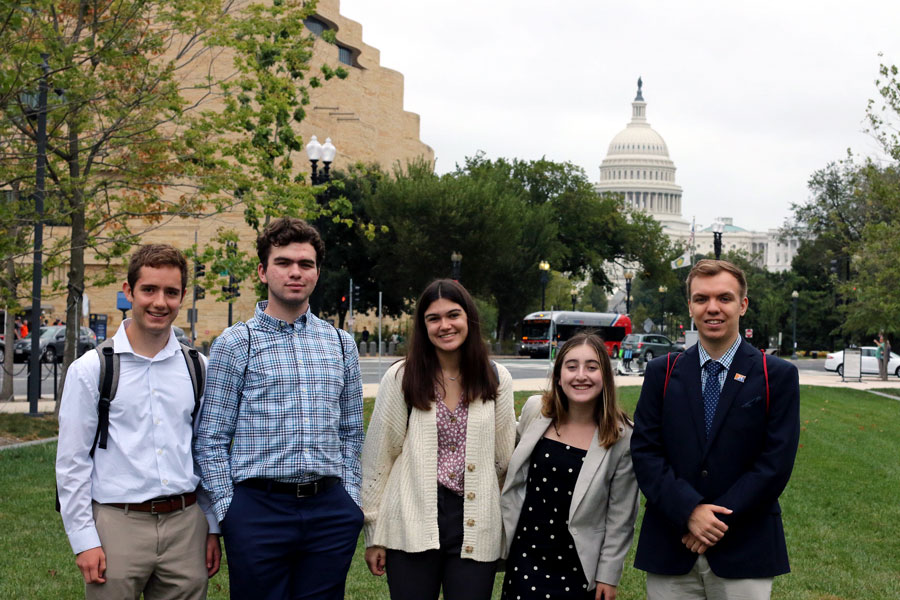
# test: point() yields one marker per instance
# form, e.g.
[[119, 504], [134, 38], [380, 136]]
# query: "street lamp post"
[[324, 152], [662, 307], [794, 295], [628, 277], [574, 297], [544, 266], [34, 375], [717, 229], [455, 263]]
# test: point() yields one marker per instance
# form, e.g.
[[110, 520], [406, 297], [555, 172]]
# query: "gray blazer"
[[604, 502]]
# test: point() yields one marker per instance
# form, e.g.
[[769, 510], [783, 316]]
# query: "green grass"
[[24, 428], [841, 512], [891, 391]]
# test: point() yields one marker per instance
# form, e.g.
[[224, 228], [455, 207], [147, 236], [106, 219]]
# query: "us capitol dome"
[[637, 165]]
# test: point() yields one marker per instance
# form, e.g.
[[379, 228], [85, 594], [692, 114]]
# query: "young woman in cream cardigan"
[[435, 456], [571, 497]]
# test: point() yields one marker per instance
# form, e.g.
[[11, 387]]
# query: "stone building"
[[363, 115]]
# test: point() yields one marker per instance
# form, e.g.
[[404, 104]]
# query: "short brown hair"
[[710, 268], [157, 255], [287, 230], [607, 412]]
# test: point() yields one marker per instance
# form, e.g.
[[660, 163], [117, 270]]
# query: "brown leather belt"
[[159, 506]]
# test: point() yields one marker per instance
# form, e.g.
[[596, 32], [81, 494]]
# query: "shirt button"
[[704, 473], [470, 495], [471, 522], [574, 531], [165, 482], [471, 467], [157, 421], [159, 451], [469, 549]]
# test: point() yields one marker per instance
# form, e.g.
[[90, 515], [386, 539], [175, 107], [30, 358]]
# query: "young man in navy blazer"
[[713, 447]]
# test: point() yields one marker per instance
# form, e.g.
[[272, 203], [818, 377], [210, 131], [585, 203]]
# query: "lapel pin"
[[739, 377]]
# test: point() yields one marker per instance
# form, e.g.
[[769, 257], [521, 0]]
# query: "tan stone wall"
[[363, 115]]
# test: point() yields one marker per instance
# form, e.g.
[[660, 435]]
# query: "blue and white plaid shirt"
[[292, 407], [725, 360]]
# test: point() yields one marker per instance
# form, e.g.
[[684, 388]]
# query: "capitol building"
[[638, 166]]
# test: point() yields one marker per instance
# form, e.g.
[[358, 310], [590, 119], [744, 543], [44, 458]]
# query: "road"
[[372, 371]]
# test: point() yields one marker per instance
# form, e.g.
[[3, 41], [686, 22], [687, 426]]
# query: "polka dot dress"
[[543, 563]]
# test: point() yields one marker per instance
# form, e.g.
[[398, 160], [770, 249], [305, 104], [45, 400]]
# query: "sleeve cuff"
[[220, 508], [84, 539]]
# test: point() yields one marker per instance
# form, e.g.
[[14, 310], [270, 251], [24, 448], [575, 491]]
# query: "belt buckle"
[[153, 504], [315, 489]]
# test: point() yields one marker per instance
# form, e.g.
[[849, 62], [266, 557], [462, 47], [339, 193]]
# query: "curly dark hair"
[[287, 230]]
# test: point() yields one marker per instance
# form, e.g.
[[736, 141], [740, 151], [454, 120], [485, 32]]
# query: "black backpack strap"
[[197, 371], [341, 342], [109, 384]]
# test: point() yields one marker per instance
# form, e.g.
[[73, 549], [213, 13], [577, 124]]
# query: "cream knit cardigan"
[[399, 471]]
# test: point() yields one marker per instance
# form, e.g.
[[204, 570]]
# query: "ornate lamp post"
[[574, 296], [662, 306], [628, 277], [717, 229], [794, 295], [455, 262], [544, 266], [324, 152]]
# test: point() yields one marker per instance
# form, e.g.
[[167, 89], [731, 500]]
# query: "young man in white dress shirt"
[[131, 511]]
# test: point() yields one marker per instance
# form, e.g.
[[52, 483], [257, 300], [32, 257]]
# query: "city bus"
[[539, 328]]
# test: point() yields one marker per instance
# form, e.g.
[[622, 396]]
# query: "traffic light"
[[199, 270], [199, 292], [356, 294], [344, 304], [231, 291], [834, 266]]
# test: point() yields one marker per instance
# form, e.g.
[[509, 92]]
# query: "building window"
[[315, 25], [345, 55]]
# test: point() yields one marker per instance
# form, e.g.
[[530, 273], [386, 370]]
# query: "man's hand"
[[375, 558], [693, 544], [92, 564], [605, 592], [704, 524], [213, 554]]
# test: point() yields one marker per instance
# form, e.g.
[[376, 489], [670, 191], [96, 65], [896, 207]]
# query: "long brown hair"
[[422, 369], [607, 413]]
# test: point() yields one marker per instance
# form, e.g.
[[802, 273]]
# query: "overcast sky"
[[750, 97]]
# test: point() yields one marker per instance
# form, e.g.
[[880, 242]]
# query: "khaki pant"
[[700, 583], [162, 556]]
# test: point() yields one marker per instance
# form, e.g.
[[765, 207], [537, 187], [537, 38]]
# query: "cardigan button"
[[471, 467], [469, 549], [471, 522], [470, 495]]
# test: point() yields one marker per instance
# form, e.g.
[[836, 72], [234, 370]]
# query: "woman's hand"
[[605, 592], [375, 558]]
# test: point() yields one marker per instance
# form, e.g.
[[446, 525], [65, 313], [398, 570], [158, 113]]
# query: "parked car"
[[644, 346], [182, 337], [868, 363], [53, 340]]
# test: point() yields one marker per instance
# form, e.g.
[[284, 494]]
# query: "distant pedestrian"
[[436, 454], [365, 335], [17, 328], [25, 329]]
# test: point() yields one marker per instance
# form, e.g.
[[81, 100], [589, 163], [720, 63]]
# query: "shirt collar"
[[724, 360], [122, 345], [267, 321]]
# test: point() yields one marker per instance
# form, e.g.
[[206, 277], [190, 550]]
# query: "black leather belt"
[[299, 490]]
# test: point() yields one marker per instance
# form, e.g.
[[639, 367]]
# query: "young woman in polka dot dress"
[[571, 497], [435, 456]]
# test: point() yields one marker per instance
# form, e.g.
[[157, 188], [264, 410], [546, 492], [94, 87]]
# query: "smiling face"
[[291, 275], [155, 299], [717, 305], [447, 325], [580, 377]]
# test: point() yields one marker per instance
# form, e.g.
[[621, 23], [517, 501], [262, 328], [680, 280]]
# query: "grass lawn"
[[841, 512], [24, 428]]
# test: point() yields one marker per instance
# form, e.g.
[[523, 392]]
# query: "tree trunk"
[[6, 392]]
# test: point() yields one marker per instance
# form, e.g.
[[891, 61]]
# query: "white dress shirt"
[[148, 454]]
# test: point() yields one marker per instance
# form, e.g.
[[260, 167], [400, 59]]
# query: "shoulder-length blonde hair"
[[607, 412]]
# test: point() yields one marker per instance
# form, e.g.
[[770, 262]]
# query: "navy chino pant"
[[282, 547]]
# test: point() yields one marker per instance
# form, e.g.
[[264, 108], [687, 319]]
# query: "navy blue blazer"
[[744, 465]]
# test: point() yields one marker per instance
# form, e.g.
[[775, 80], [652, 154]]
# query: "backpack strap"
[[341, 342], [108, 385], [197, 371], [766, 373], [670, 366]]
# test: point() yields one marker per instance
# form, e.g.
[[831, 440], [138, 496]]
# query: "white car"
[[868, 363]]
